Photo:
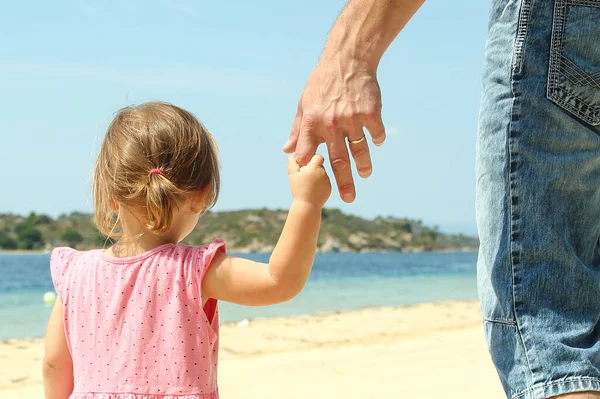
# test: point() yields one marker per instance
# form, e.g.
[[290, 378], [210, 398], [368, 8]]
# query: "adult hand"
[[339, 99]]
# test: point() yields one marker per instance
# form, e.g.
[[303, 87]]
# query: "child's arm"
[[250, 283], [58, 365]]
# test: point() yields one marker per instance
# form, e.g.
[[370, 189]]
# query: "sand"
[[421, 351]]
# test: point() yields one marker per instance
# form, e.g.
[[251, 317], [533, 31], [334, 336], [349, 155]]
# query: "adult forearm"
[[366, 28]]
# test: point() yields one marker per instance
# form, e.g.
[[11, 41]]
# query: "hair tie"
[[155, 171]]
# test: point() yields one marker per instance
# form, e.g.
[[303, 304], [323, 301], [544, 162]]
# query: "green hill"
[[252, 230]]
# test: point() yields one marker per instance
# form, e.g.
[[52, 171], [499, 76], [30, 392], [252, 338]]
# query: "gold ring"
[[360, 140]]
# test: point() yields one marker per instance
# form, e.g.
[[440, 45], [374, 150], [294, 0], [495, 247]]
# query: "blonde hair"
[[153, 135]]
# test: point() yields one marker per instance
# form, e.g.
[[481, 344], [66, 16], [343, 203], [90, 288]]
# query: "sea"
[[338, 282]]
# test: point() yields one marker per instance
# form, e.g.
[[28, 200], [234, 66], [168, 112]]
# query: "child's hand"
[[309, 183], [250, 283]]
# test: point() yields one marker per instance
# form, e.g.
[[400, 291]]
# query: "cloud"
[[179, 78]]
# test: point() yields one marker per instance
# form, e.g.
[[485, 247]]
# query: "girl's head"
[[155, 159]]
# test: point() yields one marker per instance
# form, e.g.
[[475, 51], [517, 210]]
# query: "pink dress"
[[135, 327]]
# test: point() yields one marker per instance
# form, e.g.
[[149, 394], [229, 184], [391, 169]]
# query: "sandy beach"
[[421, 351]]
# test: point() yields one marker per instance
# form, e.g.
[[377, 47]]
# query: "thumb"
[[316, 161], [292, 165]]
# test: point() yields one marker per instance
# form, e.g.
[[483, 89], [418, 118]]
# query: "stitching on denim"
[[562, 66], [576, 74], [555, 383], [594, 115], [556, 41], [514, 218], [584, 3], [506, 322], [513, 228], [520, 39], [570, 67]]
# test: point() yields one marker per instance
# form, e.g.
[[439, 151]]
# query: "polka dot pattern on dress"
[[136, 325]]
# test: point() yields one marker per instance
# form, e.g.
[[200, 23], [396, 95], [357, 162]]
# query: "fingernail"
[[365, 173], [348, 197], [378, 143]]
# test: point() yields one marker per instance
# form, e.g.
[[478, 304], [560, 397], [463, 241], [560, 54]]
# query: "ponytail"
[[162, 199]]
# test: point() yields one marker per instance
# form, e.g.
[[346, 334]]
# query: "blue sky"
[[67, 66]]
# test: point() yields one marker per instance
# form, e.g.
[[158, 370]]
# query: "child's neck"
[[136, 245], [136, 239]]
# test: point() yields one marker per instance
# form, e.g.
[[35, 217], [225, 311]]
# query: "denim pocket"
[[574, 70]]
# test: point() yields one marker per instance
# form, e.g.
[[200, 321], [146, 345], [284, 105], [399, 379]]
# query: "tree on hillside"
[[34, 219], [7, 242], [31, 238], [403, 225], [21, 227], [72, 237], [43, 219]]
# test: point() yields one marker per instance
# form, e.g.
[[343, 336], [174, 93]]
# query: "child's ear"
[[114, 205], [198, 200]]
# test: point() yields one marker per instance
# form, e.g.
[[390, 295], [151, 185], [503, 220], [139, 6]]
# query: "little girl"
[[139, 319]]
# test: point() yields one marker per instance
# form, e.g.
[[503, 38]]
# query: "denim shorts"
[[538, 196]]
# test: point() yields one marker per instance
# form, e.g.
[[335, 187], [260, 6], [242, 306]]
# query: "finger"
[[308, 140], [376, 129], [317, 161], [292, 165], [361, 155], [290, 145], [340, 164]]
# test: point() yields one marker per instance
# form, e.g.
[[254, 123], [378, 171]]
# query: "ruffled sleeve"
[[211, 306], [59, 262], [208, 254]]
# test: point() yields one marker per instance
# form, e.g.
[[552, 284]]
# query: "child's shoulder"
[[66, 255], [216, 244], [62, 253], [62, 256], [205, 252], [199, 256]]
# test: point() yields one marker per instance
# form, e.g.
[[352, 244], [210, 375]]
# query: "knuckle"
[[370, 115], [331, 122], [339, 165], [309, 118], [346, 187], [351, 116], [347, 114], [359, 153]]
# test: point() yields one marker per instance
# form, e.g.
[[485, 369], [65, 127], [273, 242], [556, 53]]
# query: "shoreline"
[[23, 252], [375, 352], [241, 251]]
